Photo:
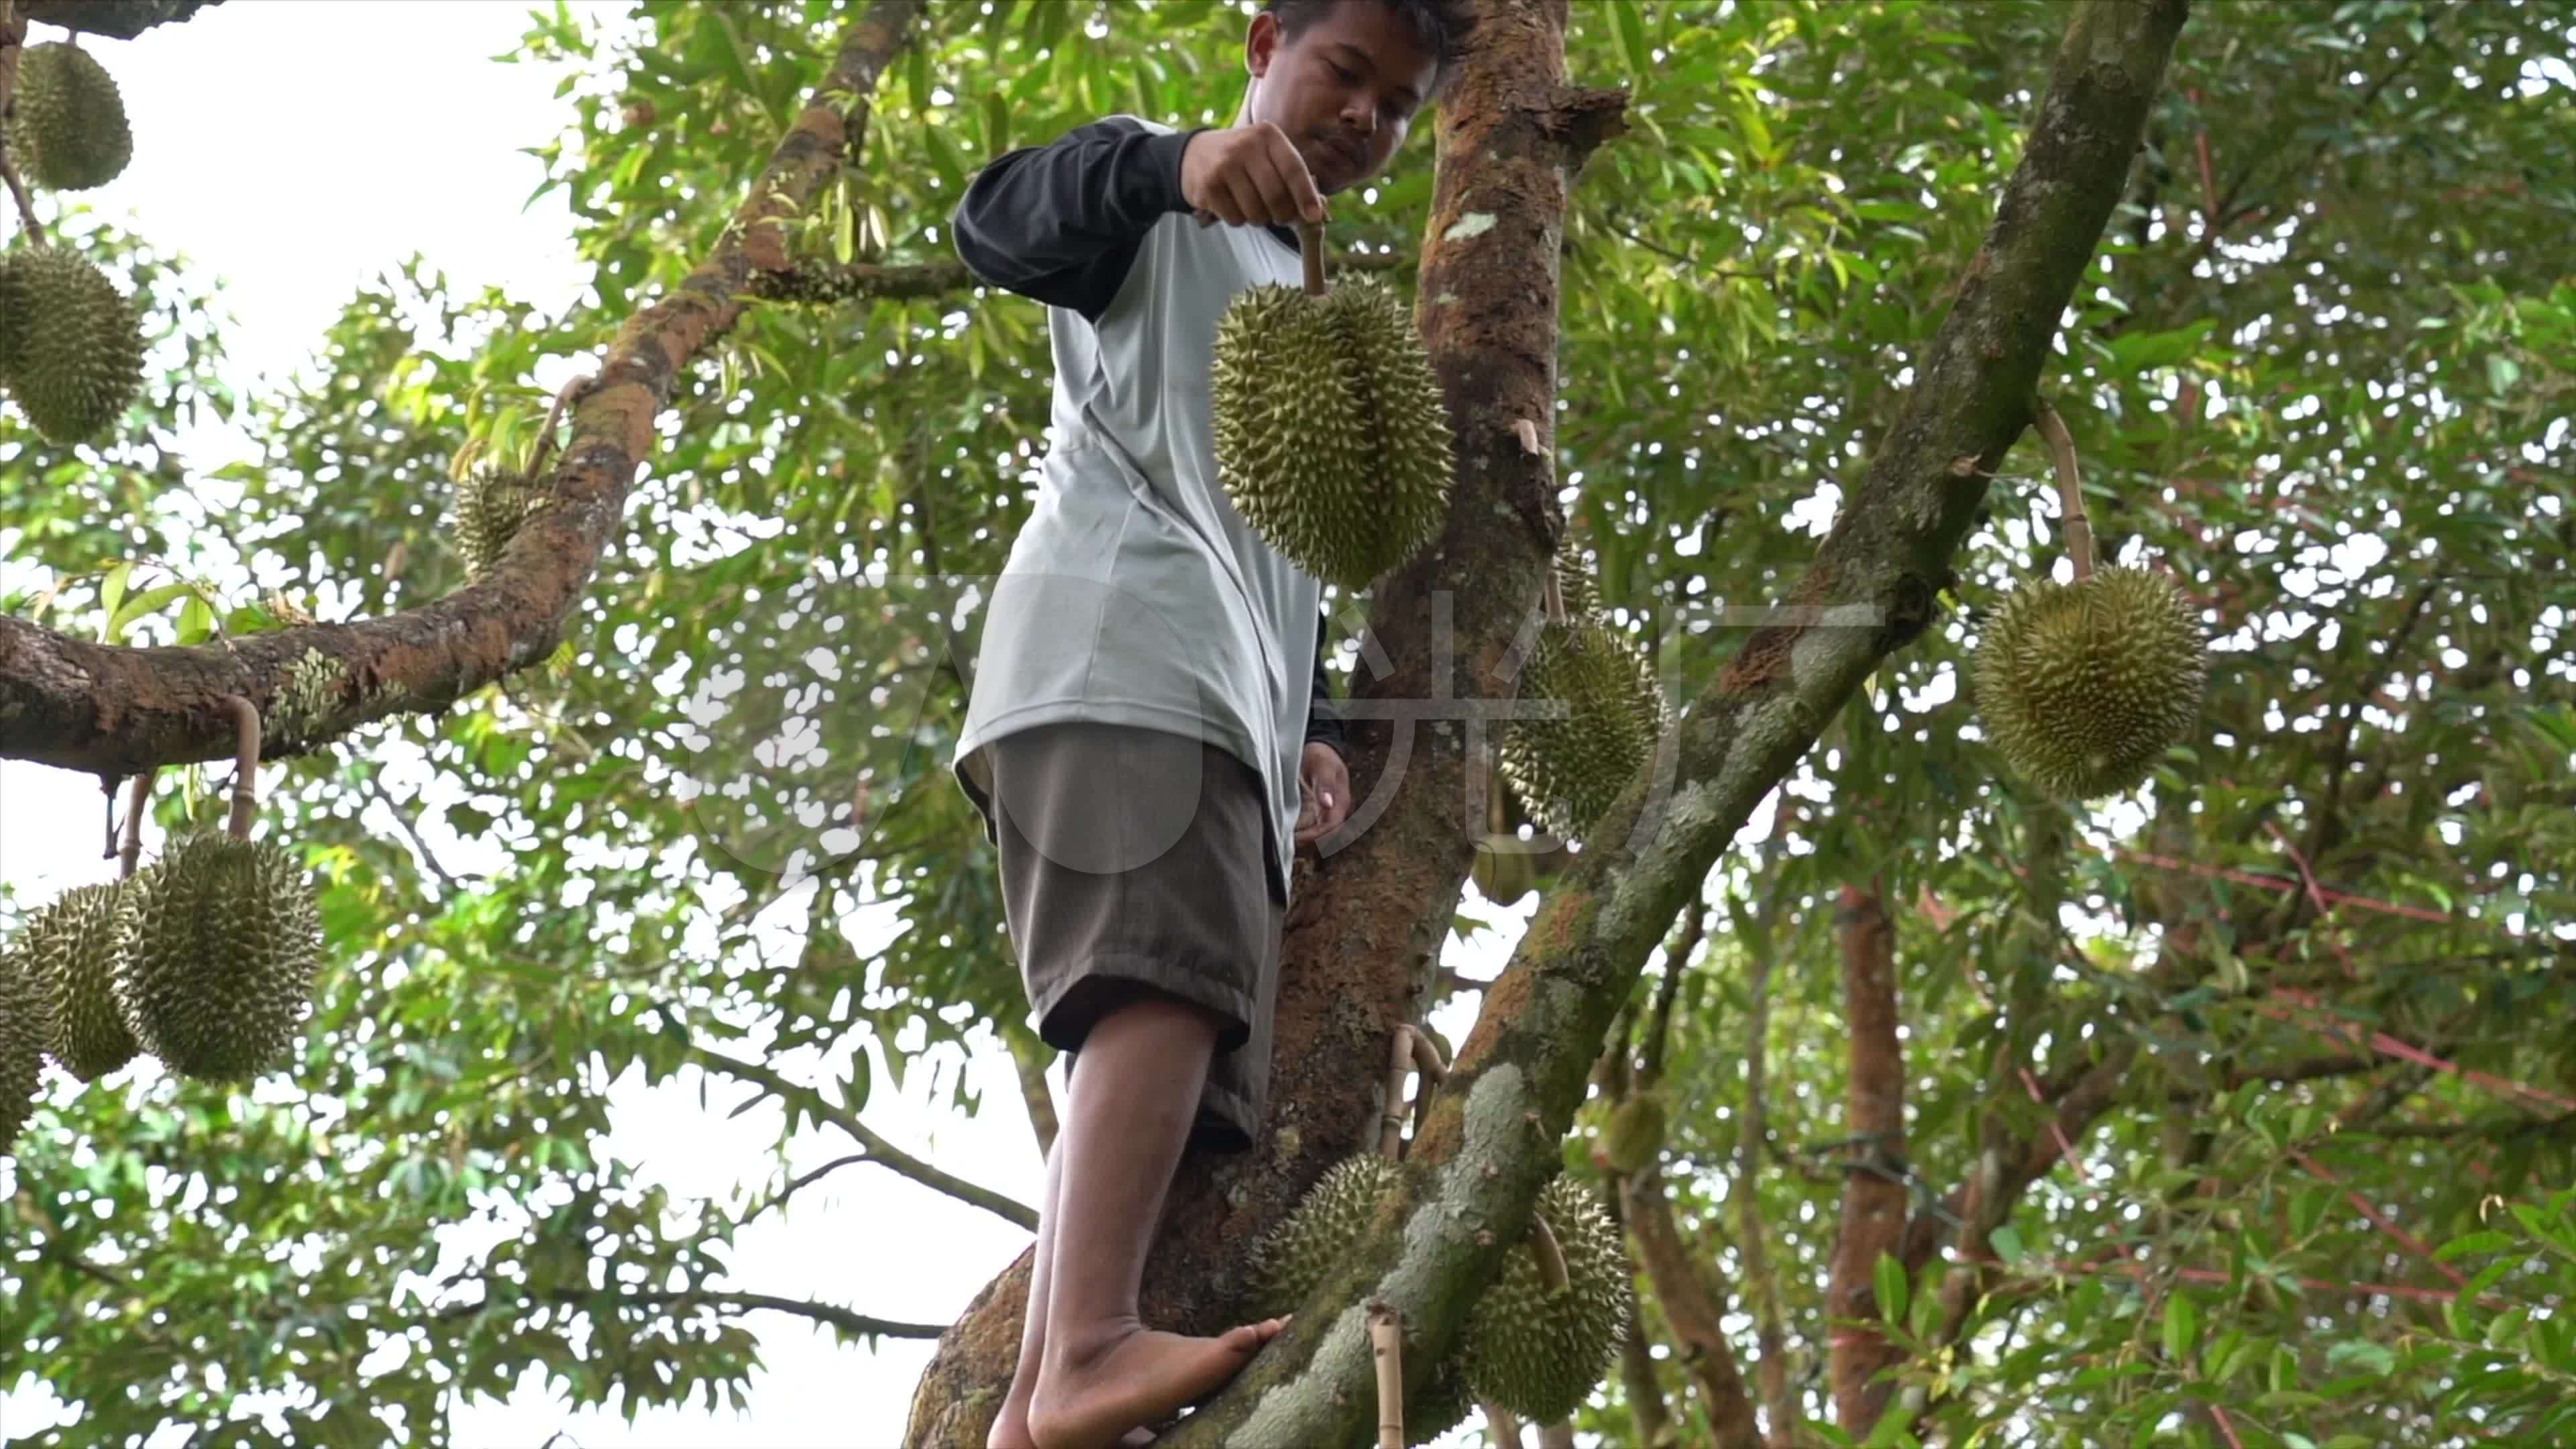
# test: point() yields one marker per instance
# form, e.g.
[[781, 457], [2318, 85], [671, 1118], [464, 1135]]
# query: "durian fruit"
[[227, 939], [492, 505], [1331, 435], [1538, 1354], [72, 948], [1635, 1133], [67, 128], [1568, 770], [71, 345], [22, 1044], [1292, 1259], [2084, 686]]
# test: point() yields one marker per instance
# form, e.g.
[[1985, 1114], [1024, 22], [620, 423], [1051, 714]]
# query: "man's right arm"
[[1061, 223]]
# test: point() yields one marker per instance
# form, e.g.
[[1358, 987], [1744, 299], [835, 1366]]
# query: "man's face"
[[1344, 90]]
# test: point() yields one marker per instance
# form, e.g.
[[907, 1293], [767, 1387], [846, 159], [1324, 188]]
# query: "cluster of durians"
[[71, 345], [205, 958], [1534, 1351]]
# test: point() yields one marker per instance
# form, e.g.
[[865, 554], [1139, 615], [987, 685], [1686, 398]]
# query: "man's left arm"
[[1323, 717]]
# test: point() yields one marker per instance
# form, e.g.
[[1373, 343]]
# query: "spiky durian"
[[22, 1044], [227, 938], [492, 505], [1569, 768], [1540, 1354], [72, 948], [67, 128], [1289, 1262], [2084, 686], [1331, 435], [71, 345]]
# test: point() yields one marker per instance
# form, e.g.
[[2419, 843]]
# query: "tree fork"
[[114, 711]]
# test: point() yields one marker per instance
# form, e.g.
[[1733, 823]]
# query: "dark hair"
[[1441, 25]]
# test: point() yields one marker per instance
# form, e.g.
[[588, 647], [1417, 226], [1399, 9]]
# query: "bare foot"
[[1100, 1390]]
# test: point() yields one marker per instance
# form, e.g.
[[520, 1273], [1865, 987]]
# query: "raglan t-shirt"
[[1136, 593]]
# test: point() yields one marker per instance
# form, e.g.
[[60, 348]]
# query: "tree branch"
[[1771, 1335], [853, 1325], [1698, 1320], [816, 283], [113, 711], [1874, 1190], [879, 1151], [115, 19]]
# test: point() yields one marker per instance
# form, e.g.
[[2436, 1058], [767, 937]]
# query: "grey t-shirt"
[[1136, 593]]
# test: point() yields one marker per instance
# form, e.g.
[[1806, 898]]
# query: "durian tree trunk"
[[1364, 937], [1363, 934], [114, 712]]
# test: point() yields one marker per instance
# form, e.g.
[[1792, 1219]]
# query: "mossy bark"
[[116, 711]]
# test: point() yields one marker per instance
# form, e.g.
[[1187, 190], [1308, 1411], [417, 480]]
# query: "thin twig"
[[1676, 961], [402, 822], [13, 44], [565, 396]]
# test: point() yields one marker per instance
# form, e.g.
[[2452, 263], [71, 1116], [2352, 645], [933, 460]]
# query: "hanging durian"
[[73, 948], [2084, 686], [22, 1044], [227, 940], [67, 128], [1568, 770], [71, 345], [492, 505], [1331, 435], [1540, 1353], [1635, 1135]]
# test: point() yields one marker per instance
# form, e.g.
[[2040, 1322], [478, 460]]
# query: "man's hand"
[[1327, 789], [1249, 175]]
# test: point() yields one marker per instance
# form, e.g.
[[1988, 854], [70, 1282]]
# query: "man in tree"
[[1138, 739]]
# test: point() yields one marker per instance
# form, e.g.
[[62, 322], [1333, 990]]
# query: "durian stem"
[[565, 396], [246, 764], [1390, 1130], [2070, 486], [1426, 1060], [1551, 1258], [1386, 1341], [13, 43], [138, 798], [1310, 249]]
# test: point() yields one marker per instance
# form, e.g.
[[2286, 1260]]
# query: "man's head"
[[1344, 78]]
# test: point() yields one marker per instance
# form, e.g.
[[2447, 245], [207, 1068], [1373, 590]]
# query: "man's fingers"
[[1303, 200]]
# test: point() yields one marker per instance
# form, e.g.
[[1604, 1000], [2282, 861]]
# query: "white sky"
[[346, 136]]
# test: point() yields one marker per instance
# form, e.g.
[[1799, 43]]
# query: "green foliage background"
[[2344, 419]]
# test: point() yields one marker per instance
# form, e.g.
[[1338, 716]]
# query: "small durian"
[[73, 947], [1567, 770], [1539, 1354], [22, 1044], [492, 505], [1331, 435], [2084, 686], [71, 345], [67, 128], [227, 940], [1635, 1134]]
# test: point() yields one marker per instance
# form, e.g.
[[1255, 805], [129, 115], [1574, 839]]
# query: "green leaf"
[[143, 606], [2363, 1356], [112, 591], [2182, 1327], [2006, 1243], [1891, 1289], [1629, 17]]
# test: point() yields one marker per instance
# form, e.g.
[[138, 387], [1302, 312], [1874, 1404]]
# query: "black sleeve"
[[1323, 721], [1061, 223]]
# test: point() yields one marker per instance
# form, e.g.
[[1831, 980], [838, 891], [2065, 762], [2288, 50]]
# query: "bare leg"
[[1011, 1428], [1102, 1373]]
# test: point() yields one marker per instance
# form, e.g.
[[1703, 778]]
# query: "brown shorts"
[[1138, 861]]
